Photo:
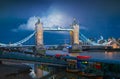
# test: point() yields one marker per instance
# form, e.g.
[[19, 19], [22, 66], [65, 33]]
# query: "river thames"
[[44, 72]]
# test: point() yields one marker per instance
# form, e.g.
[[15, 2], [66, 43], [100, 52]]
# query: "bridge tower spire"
[[75, 26]]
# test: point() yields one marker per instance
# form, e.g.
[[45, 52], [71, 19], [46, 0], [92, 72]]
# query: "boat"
[[60, 55], [72, 66], [83, 57]]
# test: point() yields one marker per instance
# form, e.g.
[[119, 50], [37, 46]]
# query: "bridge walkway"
[[32, 59]]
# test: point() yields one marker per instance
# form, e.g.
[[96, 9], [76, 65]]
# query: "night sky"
[[96, 17]]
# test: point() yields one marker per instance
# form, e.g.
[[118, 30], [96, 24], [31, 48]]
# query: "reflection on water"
[[103, 55], [109, 55], [55, 73], [41, 70], [74, 54], [45, 72]]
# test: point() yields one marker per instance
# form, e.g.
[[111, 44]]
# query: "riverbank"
[[14, 71]]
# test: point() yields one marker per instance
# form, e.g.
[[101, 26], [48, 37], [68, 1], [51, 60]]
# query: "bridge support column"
[[39, 37]]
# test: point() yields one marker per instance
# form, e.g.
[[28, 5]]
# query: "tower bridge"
[[74, 32], [76, 37]]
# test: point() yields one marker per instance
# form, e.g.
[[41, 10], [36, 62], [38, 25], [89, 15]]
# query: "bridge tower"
[[75, 27], [39, 33], [39, 37], [75, 37]]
